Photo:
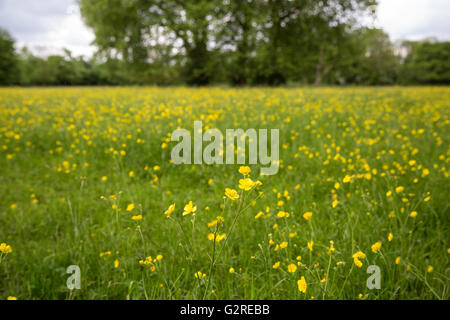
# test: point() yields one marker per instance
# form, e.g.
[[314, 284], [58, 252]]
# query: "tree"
[[130, 28], [9, 71], [307, 36], [426, 62]]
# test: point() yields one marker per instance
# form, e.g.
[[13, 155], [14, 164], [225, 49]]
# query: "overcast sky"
[[53, 24]]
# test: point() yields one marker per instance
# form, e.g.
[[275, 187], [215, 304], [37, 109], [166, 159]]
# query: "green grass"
[[57, 144]]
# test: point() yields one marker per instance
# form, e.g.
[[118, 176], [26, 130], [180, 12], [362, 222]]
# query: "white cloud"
[[47, 26], [415, 19]]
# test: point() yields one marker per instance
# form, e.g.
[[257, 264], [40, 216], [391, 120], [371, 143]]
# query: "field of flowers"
[[86, 179]]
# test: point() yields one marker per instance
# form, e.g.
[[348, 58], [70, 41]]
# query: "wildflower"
[[259, 215], [284, 244], [331, 249], [13, 206], [347, 179], [337, 185], [310, 245], [390, 236], [359, 255], [12, 298], [4, 248], [231, 270], [292, 268], [357, 262], [170, 210], [282, 214], [427, 199], [276, 265], [218, 237], [231, 193], [130, 207], [212, 223], [307, 215], [376, 247], [397, 260], [246, 184], [389, 193], [199, 275], [116, 263], [302, 284], [189, 208], [399, 189], [335, 203], [413, 214], [104, 178], [430, 269], [137, 218], [131, 174], [244, 170]]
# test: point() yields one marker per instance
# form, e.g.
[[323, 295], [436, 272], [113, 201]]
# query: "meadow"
[[86, 179]]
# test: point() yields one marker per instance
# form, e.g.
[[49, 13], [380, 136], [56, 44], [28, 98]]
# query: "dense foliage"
[[259, 42]]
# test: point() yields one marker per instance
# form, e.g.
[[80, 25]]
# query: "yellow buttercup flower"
[[170, 210], [390, 236], [276, 265], [231, 193], [189, 208], [282, 214], [231, 270], [4, 248], [199, 275], [259, 215], [335, 203], [376, 247], [307, 215], [413, 214], [347, 179], [116, 263], [284, 244], [11, 298], [359, 255], [246, 184], [244, 170], [357, 262], [218, 237], [302, 284], [137, 218], [292, 268], [399, 189], [310, 245], [130, 207], [212, 223]]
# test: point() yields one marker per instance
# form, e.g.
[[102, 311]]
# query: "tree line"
[[237, 42]]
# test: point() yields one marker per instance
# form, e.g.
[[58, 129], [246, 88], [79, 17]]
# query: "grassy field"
[[86, 179]]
